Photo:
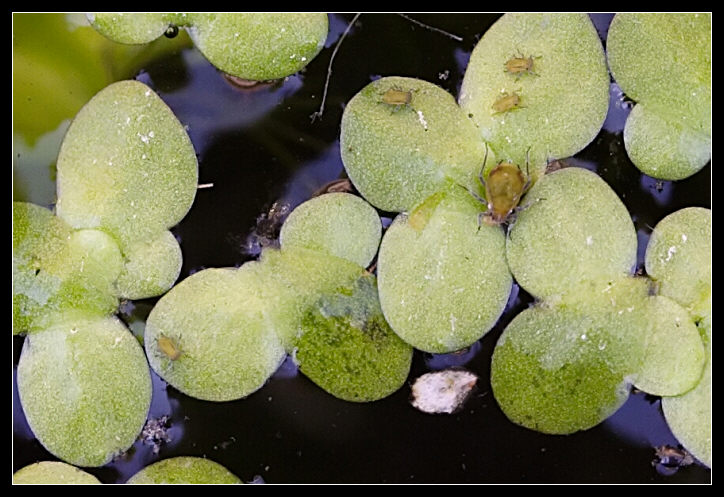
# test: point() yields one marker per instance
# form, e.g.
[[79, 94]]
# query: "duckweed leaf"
[[85, 388], [259, 45], [559, 76], [130, 28], [398, 153], [294, 278], [126, 165], [209, 337], [53, 473], [549, 373], [151, 267], [689, 416], [185, 470], [663, 62], [574, 228], [348, 349], [56, 270], [252, 45], [340, 224], [443, 279], [678, 257]]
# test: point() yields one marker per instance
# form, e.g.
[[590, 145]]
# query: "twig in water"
[[450, 35], [329, 68]]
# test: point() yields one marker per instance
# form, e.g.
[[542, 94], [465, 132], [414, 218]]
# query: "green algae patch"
[[150, 268], [549, 374], [209, 337], [574, 228], [347, 348], [53, 473], [663, 62], [443, 278], [130, 28], [252, 45], [678, 258], [293, 279], [185, 470], [126, 165], [56, 270], [85, 388], [554, 67], [340, 224], [689, 416], [403, 139], [259, 45]]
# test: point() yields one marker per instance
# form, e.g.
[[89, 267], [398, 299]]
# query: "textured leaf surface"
[[53, 473], [185, 470]]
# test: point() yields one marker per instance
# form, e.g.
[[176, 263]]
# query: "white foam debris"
[[442, 391]]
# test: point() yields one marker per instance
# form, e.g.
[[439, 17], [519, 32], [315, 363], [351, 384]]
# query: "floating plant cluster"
[[536, 89]]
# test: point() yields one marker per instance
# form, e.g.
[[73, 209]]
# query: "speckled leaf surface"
[[678, 257], [53, 473], [150, 267], [214, 320], [689, 415], [397, 155], [563, 99], [340, 224], [348, 349], [259, 45], [574, 228], [663, 62], [56, 269], [126, 165], [443, 279], [130, 27], [184, 470], [85, 388]]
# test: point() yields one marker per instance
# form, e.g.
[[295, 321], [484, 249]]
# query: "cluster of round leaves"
[[254, 45], [567, 363], [176, 470], [443, 277], [127, 172], [663, 62], [221, 333]]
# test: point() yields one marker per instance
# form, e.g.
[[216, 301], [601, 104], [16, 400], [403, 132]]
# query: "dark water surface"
[[259, 147]]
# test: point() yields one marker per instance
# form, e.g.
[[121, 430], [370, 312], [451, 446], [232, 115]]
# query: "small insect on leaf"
[[520, 65], [169, 348], [504, 188], [506, 102], [397, 97]]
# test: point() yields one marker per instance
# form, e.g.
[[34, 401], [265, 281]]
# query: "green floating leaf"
[[253, 45], [678, 257], [57, 270], [85, 388], [537, 85], [348, 349], [573, 228], [259, 45], [210, 338], [151, 267], [53, 473], [185, 470], [689, 416], [443, 278], [403, 139], [338, 224], [553, 370], [663, 62], [126, 165], [293, 279]]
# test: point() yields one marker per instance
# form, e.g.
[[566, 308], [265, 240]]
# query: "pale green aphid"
[[663, 62], [185, 470], [252, 45], [53, 473]]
